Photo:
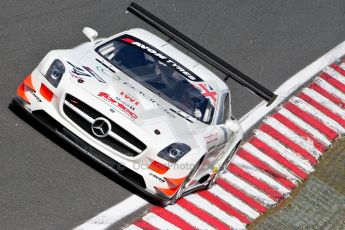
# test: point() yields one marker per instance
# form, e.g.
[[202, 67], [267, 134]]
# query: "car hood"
[[122, 94]]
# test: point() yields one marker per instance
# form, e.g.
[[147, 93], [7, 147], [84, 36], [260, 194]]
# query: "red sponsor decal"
[[129, 98], [211, 138], [129, 40], [117, 104]]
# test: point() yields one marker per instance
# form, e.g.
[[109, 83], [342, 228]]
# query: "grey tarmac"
[[44, 184]]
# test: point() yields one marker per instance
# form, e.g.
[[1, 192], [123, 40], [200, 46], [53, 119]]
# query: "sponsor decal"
[[117, 104], [129, 101], [36, 97], [84, 71], [153, 101], [168, 61], [76, 77], [211, 138], [129, 98], [215, 169], [157, 178]]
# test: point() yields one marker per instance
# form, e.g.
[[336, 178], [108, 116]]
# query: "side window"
[[224, 109]]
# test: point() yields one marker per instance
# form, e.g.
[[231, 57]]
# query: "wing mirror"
[[232, 125], [90, 33]]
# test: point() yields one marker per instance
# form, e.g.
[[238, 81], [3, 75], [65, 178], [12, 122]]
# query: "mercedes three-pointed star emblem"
[[101, 127]]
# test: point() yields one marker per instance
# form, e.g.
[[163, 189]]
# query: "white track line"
[[132, 227], [292, 84], [105, 219], [110, 216]]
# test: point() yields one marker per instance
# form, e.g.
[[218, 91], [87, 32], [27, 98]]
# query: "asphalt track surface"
[[46, 185]]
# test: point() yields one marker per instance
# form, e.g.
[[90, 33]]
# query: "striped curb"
[[281, 152]]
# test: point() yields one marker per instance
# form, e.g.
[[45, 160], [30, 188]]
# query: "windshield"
[[162, 75]]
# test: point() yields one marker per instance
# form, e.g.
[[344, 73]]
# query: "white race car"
[[137, 105]]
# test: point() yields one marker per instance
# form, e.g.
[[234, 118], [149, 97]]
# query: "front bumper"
[[128, 175]]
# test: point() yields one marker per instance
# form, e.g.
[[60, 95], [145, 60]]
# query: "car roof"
[[185, 60]]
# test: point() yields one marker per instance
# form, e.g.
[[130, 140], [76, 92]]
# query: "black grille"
[[41, 118], [85, 125]]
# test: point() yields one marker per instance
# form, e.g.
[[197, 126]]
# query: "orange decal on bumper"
[[21, 92], [168, 191], [175, 181], [28, 83], [158, 167]]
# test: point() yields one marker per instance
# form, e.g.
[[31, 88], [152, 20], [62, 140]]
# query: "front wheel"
[[222, 167], [186, 183]]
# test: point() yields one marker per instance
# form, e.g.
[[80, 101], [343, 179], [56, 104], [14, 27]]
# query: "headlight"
[[55, 72], [174, 152]]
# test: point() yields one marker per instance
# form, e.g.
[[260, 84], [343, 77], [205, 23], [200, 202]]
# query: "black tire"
[[182, 188], [223, 167]]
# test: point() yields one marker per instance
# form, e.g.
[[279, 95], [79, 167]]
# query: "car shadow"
[[79, 155]]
